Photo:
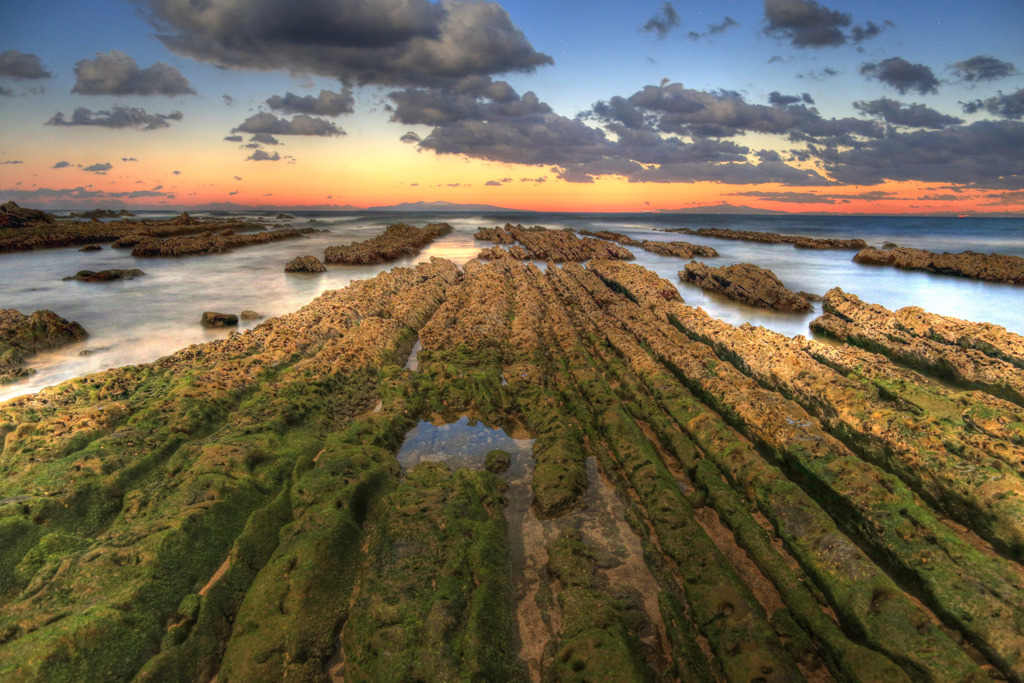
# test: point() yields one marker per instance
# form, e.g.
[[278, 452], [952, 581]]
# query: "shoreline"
[[213, 448]]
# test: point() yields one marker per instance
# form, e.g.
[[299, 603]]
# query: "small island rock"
[[213, 319], [305, 264]]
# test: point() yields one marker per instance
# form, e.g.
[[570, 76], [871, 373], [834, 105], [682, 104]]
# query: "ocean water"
[[140, 320]]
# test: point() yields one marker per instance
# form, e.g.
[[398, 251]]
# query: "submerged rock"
[[106, 275], [251, 315], [991, 267], [305, 264], [746, 283], [213, 319], [91, 247]]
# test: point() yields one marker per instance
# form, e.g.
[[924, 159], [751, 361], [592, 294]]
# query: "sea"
[[140, 320]]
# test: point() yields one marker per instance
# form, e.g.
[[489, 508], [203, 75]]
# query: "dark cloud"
[[301, 124], [524, 130], [714, 29], [234, 138], [672, 108], [410, 137], [261, 155], [902, 75], [912, 115], [987, 154], [76, 193], [98, 168], [265, 138], [540, 179], [175, 172], [128, 159], [228, 100], [118, 117], [805, 23], [21, 65], [238, 178], [493, 183], [62, 164], [816, 198], [11, 162], [983, 68], [393, 42], [327, 104], [663, 22], [781, 100], [827, 72], [1004, 106], [115, 73]]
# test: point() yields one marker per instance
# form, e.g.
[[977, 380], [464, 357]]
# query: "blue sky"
[[725, 57]]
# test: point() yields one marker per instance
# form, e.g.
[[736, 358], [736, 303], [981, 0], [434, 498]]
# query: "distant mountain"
[[438, 206], [727, 209]]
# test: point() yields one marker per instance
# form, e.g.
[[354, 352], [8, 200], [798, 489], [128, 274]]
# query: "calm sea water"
[[143, 319]]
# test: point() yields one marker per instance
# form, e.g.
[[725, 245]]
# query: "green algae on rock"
[[238, 509]]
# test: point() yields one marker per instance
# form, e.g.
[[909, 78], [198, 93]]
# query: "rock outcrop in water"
[[106, 275], [974, 355], [746, 283], [680, 249], [25, 229], [236, 510], [992, 267], [208, 242], [624, 240], [798, 241], [305, 264], [550, 245], [397, 241], [21, 336]]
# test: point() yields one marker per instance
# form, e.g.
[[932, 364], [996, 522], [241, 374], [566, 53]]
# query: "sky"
[[843, 106]]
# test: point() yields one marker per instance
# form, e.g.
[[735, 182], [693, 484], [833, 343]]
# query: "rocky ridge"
[[747, 283], [798, 241], [777, 499], [212, 242], [397, 241], [991, 267], [106, 275], [974, 355], [558, 246], [680, 249]]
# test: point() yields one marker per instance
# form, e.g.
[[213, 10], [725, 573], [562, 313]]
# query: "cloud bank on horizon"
[[449, 79]]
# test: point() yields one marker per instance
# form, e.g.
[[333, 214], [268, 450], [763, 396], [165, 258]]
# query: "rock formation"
[[208, 242], [624, 240], [802, 511], [974, 355], [305, 264], [397, 241], [680, 249], [22, 336], [552, 245], [992, 267], [746, 283], [106, 275], [214, 319], [251, 315], [14, 216], [798, 241]]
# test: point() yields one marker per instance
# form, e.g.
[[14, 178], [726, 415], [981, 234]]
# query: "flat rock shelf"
[[686, 499]]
